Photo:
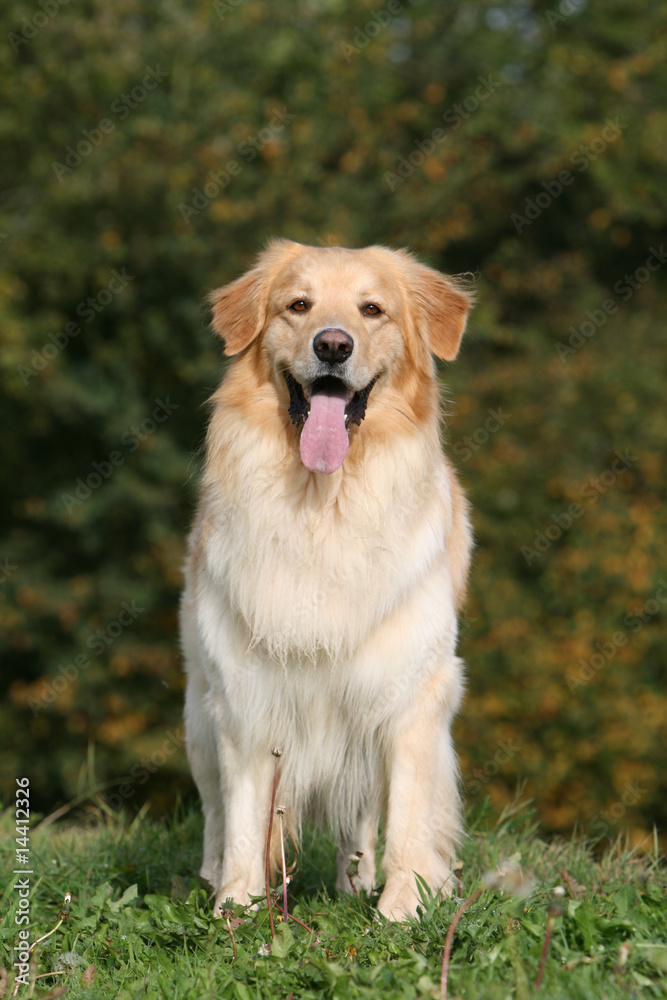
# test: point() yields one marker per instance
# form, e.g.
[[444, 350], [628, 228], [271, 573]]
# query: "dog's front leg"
[[423, 811], [246, 794]]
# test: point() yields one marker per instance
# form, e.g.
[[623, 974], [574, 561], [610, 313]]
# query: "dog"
[[326, 565]]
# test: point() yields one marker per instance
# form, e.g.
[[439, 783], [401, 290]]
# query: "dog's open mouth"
[[326, 408]]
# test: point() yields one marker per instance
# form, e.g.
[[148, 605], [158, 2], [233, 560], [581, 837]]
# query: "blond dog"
[[326, 564]]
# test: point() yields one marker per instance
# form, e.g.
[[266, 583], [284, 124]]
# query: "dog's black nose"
[[333, 346]]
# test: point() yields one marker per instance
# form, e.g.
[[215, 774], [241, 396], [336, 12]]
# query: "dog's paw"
[[399, 901]]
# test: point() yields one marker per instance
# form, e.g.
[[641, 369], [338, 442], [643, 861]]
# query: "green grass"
[[143, 919]]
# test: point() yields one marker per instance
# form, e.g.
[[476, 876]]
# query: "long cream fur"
[[319, 613]]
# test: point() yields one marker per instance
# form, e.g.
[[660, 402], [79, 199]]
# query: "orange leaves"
[[121, 730]]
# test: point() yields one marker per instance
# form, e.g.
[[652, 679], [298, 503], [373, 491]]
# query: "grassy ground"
[[141, 925]]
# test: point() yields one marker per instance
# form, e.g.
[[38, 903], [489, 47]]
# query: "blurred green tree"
[[148, 152]]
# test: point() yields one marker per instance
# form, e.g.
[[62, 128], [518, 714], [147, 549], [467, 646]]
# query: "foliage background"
[[361, 99]]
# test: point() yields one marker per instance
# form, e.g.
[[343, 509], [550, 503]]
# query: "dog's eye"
[[371, 310], [300, 306]]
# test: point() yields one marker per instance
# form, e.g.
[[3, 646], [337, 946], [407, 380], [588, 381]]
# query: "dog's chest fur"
[[311, 564]]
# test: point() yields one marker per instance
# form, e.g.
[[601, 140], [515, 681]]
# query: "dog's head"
[[340, 329]]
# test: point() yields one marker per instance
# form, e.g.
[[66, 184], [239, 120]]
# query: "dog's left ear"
[[444, 306], [240, 309]]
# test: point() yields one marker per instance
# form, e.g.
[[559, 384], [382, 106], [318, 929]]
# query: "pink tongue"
[[324, 440]]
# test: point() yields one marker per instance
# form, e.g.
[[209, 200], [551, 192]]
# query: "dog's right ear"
[[240, 309]]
